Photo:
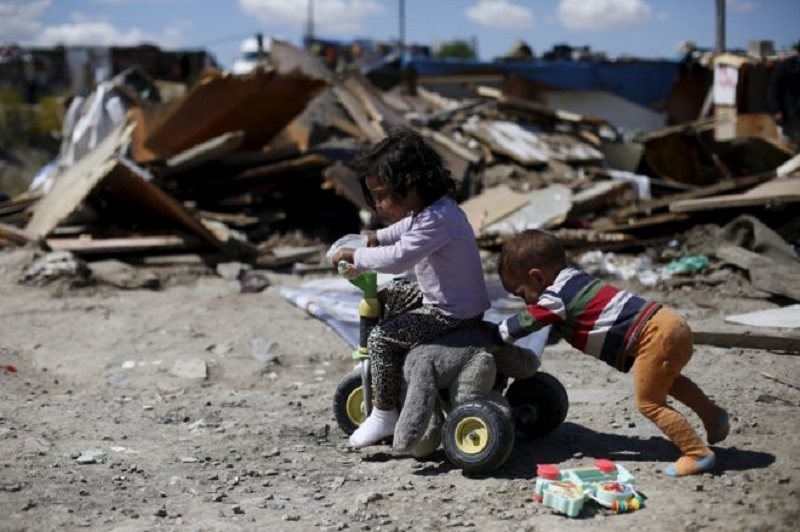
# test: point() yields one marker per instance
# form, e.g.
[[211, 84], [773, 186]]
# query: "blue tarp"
[[644, 82]]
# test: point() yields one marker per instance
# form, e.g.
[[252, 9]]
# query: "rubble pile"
[[257, 168]]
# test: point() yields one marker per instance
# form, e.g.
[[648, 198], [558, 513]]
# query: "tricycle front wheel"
[[478, 437]]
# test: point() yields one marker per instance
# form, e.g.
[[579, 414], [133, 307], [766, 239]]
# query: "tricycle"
[[456, 392]]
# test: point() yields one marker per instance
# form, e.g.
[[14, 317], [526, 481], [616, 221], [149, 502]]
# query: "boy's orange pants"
[[664, 347]]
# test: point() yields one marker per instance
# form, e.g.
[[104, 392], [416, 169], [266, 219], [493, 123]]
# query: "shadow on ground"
[[571, 439]]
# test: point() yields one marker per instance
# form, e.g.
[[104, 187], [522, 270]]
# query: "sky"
[[644, 28]]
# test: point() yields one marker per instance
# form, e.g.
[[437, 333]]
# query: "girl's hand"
[[344, 254], [372, 238], [347, 270]]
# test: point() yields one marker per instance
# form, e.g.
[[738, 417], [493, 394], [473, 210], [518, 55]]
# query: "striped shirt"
[[594, 317]]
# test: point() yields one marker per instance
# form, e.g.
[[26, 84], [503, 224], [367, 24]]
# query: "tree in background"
[[458, 49]]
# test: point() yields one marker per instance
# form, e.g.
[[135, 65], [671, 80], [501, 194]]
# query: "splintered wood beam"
[[749, 340], [118, 245]]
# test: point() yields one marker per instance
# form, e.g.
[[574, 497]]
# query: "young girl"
[[407, 184]]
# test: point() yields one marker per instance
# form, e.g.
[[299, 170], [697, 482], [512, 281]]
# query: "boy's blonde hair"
[[531, 248]]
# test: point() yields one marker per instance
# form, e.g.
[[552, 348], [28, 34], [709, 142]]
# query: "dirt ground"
[[98, 433]]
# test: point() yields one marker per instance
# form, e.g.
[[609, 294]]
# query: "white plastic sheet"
[[335, 301]]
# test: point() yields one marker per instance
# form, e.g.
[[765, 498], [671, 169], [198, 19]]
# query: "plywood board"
[[75, 183], [128, 189], [260, 104], [491, 205], [546, 207]]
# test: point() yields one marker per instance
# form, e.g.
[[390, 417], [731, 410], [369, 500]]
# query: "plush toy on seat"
[[458, 367]]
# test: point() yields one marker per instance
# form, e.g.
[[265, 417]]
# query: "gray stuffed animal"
[[464, 362]]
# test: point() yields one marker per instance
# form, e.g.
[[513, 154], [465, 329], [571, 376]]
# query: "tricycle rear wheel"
[[539, 404]]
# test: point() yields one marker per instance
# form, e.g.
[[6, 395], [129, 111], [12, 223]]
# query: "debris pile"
[[257, 168]]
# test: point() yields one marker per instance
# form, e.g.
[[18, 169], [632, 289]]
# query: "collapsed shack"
[[257, 168]]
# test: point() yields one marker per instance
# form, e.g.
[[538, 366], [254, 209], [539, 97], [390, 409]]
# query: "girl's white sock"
[[379, 425]]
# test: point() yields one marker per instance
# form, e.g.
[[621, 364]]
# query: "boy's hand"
[[493, 330]]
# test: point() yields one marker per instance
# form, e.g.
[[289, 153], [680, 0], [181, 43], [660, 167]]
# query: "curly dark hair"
[[532, 248], [404, 161]]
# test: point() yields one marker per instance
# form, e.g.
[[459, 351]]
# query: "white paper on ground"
[[788, 317], [335, 301]]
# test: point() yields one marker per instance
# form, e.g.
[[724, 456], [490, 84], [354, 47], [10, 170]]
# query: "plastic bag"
[[347, 241]]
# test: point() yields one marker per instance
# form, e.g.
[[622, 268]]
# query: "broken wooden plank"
[[648, 207], [715, 331], [372, 130], [15, 206], [464, 152], [344, 181], [209, 150], [88, 245], [789, 167], [605, 224], [72, 186], [305, 162], [529, 148], [565, 116], [284, 255], [599, 195], [235, 219], [260, 103], [776, 192], [15, 234], [765, 274], [777, 342]]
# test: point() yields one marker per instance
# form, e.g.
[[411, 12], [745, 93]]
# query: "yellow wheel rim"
[[355, 406], [471, 435]]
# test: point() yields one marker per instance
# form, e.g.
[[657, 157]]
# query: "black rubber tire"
[[478, 437], [348, 402], [539, 404]]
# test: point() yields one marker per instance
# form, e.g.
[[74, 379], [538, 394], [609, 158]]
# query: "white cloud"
[[86, 30], [20, 22], [19, 19], [742, 6], [500, 14], [330, 16], [602, 14]]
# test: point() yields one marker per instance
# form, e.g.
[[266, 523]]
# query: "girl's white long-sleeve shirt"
[[439, 243]]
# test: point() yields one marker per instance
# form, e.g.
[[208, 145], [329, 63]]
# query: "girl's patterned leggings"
[[405, 323]]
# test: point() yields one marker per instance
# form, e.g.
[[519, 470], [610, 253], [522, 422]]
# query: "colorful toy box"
[[567, 490]]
